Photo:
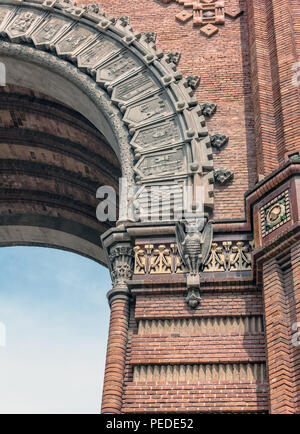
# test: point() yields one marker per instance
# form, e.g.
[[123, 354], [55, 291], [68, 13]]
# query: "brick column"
[[121, 267], [115, 356]]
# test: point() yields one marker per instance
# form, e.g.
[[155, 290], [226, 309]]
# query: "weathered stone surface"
[[161, 165], [122, 65], [159, 135], [148, 111], [138, 87]]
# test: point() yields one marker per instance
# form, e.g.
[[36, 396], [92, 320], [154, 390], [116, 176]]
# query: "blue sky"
[[54, 308]]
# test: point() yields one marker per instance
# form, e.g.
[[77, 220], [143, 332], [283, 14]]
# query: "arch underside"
[[138, 109], [52, 161]]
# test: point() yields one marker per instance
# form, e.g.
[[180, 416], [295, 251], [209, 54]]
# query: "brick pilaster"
[[295, 260], [278, 338]]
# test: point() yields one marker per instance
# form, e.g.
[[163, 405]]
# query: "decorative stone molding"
[[275, 213], [156, 104], [229, 256], [205, 13], [224, 256]]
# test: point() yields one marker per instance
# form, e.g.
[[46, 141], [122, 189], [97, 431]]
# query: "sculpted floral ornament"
[[121, 264], [224, 256]]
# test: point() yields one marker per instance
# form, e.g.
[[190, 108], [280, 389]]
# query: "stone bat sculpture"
[[194, 243]]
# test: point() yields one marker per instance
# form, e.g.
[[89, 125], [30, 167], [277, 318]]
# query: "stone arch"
[[116, 78]]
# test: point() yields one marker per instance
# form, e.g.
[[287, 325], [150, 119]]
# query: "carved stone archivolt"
[[208, 14], [224, 256], [167, 129]]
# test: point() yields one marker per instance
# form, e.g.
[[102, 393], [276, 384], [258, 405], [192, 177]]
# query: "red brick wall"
[[246, 68], [282, 301], [223, 63], [211, 359]]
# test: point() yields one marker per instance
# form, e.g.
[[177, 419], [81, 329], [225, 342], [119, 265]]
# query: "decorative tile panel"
[[275, 213]]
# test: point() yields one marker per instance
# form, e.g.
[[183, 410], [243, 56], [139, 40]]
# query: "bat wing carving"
[[207, 240], [180, 237]]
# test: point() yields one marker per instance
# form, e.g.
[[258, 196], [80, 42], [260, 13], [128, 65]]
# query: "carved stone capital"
[[121, 264]]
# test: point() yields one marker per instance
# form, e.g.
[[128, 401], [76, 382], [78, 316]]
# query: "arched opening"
[[98, 100], [52, 162], [55, 315]]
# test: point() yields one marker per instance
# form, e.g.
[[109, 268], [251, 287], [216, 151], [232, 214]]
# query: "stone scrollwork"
[[229, 256], [140, 263], [161, 261]]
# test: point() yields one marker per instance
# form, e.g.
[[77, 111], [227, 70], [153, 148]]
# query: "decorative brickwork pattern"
[[200, 374], [207, 14], [231, 325]]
